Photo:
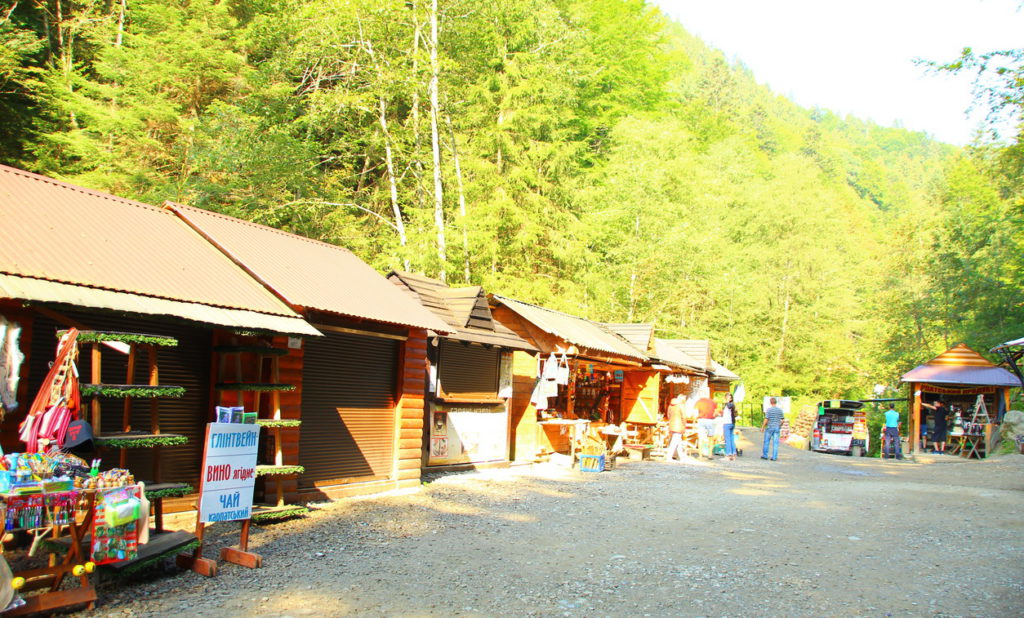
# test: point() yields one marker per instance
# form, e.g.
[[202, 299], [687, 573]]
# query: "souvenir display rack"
[[163, 543], [265, 367]]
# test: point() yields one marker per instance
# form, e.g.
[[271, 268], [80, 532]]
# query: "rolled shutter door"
[[468, 371], [186, 365], [348, 409]]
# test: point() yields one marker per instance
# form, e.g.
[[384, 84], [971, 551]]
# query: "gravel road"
[[809, 535]]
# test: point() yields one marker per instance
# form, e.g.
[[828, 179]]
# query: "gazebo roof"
[[961, 365]]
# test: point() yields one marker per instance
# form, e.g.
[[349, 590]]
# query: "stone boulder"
[[1012, 429]]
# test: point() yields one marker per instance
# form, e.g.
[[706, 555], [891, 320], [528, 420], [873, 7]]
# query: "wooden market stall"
[[354, 422], [576, 393], [468, 373], [964, 379]]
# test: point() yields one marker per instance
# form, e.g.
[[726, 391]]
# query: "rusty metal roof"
[[719, 372], [697, 349], [640, 336], [465, 309], [309, 274], [575, 330], [666, 351], [52, 292], [961, 365], [60, 233]]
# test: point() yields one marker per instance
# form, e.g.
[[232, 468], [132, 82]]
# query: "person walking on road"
[[891, 445], [676, 428], [729, 427], [772, 427]]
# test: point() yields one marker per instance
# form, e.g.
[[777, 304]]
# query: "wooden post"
[[915, 436], [94, 405]]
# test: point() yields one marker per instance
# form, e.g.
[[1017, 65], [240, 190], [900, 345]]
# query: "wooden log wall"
[[410, 410]]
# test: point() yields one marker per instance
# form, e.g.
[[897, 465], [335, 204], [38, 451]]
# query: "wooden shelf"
[[99, 336], [161, 545], [139, 439], [133, 391], [271, 470], [158, 491], [263, 514], [279, 423]]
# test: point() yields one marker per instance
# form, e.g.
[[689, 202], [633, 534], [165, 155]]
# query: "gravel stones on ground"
[[810, 535]]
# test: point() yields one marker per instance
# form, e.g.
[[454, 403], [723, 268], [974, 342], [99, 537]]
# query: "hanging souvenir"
[[563, 370], [114, 528]]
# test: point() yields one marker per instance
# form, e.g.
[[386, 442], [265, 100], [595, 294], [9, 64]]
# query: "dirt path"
[[809, 535]]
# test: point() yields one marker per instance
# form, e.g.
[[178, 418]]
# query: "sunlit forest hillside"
[[586, 155]]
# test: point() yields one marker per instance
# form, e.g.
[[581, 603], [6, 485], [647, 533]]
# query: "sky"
[[858, 57]]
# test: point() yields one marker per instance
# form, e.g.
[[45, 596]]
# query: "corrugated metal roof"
[[697, 349], [721, 373], [43, 291], [1008, 344], [310, 274], [664, 350], [638, 335], [573, 329], [961, 365], [54, 231], [973, 376], [464, 309]]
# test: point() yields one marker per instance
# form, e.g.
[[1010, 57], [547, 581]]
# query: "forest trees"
[[585, 155]]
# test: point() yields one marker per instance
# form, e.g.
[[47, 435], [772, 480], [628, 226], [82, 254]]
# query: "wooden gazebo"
[[958, 373]]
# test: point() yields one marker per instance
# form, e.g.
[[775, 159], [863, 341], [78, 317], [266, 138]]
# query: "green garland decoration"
[[250, 349], [268, 470], [170, 492], [97, 336], [261, 387], [279, 514], [142, 441], [126, 391], [271, 423]]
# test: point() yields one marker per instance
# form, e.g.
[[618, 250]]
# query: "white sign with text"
[[229, 471]]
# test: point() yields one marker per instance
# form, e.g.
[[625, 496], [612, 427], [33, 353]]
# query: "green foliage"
[[127, 391], [99, 336], [595, 158]]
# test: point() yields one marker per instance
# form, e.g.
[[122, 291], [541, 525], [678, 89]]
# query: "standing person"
[[706, 413], [729, 427], [939, 426], [772, 427], [891, 444], [676, 428]]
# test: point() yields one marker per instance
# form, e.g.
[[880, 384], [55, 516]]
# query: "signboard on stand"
[[225, 492], [229, 472]]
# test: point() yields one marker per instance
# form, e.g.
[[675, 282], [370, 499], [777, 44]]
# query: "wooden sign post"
[[225, 492]]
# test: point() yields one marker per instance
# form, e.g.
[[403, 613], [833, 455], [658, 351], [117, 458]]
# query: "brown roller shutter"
[[468, 371], [186, 365], [348, 409]]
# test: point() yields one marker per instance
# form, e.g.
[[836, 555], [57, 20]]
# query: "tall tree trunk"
[[632, 276], [417, 162], [64, 48], [120, 23], [785, 322], [462, 199], [436, 144], [393, 185]]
